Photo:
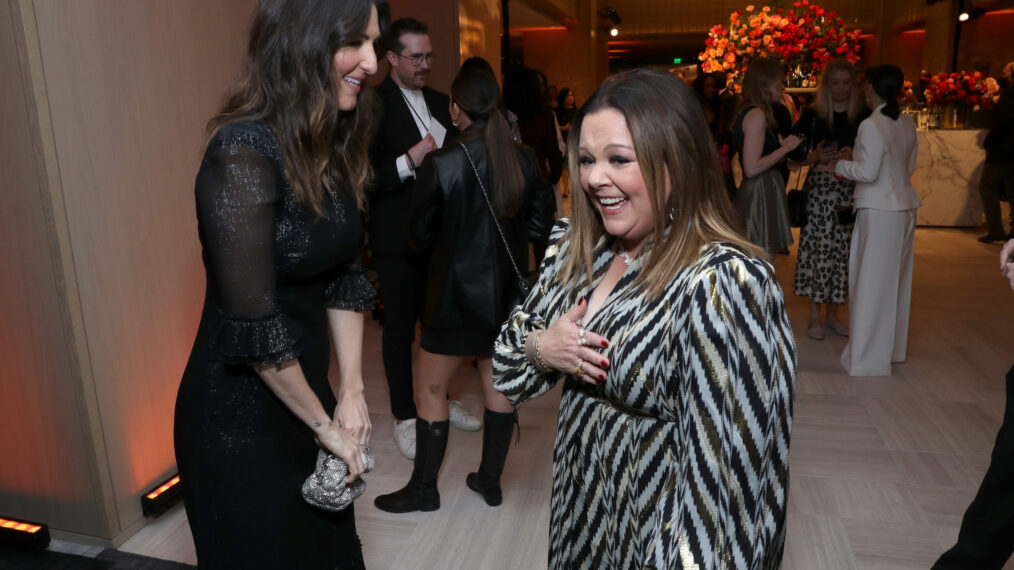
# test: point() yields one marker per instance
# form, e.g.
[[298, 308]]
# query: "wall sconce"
[[23, 534], [613, 27]]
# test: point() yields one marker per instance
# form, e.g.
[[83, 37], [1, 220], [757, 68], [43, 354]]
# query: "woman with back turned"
[[477, 204], [279, 197], [883, 241]]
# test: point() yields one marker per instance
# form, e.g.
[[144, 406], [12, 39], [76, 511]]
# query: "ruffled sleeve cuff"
[[261, 341], [514, 375], [351, 291]]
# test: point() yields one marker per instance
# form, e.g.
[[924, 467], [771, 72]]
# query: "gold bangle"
[[539, 364]]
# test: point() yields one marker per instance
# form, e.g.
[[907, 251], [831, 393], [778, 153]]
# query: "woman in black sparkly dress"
[[278, 198]]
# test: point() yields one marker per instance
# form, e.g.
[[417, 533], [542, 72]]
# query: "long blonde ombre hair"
[[671, 142], [824, 106]]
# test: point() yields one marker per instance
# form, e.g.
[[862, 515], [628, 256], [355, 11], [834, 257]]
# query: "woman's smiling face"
[[612, 178]]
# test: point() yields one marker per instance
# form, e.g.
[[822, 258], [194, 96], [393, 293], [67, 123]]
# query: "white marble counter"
[[947, 176]]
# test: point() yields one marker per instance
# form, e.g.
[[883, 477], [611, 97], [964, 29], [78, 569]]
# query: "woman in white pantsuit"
[[883, 241]]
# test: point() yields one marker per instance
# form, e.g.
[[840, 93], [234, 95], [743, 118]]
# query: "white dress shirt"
[[882, 164], [424, 121]]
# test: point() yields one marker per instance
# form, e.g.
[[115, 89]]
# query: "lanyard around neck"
[[425, 124]]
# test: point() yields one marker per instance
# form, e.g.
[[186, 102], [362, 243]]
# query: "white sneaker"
[[404, 437], [461, 419]]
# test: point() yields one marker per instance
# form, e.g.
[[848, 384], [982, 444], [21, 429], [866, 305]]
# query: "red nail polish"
[[605, 344], [581, 302], [605, 364], [602, 377]]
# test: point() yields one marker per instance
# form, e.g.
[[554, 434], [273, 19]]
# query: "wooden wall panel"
[[905, 13], [48, 470], [565, 56], [558, 12], [131, 85], [980, 44], [480, 31]]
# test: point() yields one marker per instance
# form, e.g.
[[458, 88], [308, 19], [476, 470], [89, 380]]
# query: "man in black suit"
[[415, 121]]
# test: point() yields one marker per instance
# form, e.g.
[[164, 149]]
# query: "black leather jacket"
[[471, 283]]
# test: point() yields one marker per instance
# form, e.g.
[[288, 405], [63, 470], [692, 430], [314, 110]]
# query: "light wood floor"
[[882, 468]]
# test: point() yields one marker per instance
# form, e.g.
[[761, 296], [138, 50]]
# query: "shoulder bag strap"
[[521, 280]]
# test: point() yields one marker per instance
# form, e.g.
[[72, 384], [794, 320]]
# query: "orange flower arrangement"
[[805, 36]]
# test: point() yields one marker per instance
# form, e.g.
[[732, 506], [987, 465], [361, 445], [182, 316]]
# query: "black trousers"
[[986, 539], [997, 181], [402, 284]]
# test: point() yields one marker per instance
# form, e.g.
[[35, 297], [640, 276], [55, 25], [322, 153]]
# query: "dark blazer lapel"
[[399, 115], [438, 108]]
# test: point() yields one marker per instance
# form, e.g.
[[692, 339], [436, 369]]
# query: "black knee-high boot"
[[421, 492], [496, 441]]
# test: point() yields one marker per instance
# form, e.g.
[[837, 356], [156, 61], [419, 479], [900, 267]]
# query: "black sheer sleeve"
[[351, 290], [238, 194]]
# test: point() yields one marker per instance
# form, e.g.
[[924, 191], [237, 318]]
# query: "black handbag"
[[797, 200], [524, 284], [846, 215]]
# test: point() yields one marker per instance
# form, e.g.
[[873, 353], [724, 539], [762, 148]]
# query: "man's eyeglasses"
[[418, 59]]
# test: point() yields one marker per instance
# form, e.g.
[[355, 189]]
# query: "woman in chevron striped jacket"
[[669, 332]]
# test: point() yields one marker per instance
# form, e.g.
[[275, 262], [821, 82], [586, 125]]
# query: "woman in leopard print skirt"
[[822, 264]]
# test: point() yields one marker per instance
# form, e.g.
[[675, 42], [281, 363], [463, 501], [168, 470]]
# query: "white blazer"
[[882, 164]]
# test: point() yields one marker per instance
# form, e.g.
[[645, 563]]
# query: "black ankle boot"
[[496, 441], [421, 492]]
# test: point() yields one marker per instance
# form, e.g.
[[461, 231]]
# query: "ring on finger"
[[367, 458], [579, 369], [580, 336]]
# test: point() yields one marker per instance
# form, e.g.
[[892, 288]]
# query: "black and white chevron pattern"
[[681, 459]]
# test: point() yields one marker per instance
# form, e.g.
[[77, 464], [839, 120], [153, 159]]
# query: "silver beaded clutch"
[[325, 488]]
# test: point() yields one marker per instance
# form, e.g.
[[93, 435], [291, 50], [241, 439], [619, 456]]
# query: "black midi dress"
[[273, 270]]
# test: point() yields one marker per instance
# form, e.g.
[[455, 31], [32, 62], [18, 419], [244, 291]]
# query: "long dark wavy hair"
[[288, 82], [478, 95]]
